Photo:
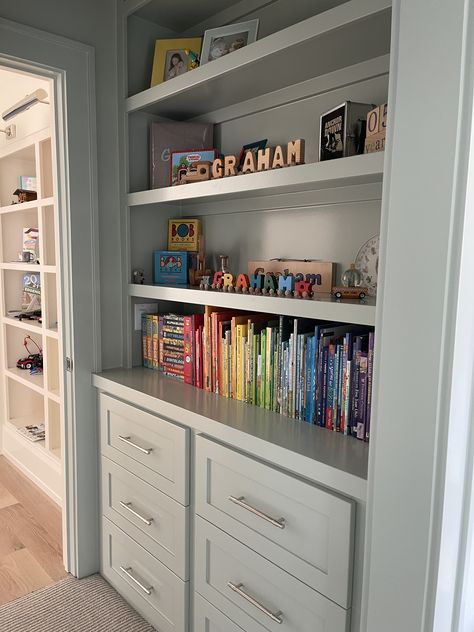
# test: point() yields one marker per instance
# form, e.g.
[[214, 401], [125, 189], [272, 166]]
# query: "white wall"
[[93, 22]]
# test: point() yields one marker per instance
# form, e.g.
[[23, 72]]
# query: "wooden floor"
[[30, 536]]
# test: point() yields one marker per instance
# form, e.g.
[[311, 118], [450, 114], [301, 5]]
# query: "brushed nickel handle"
[[128, 507], [134, 445], [238, 588], [128, 572], [276, 522]]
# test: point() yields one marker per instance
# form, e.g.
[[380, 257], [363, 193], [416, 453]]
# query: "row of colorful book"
[[320, 373]]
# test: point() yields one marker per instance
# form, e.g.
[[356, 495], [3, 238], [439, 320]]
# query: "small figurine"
[[138, 276], [351, 285], [193, 59]]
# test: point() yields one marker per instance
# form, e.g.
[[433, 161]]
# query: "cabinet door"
[[147, 515], [210, 619], [150, 447], [256, 594], [151, 588], [301, 528]]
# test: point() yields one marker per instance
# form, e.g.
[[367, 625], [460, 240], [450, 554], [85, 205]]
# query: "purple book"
[[362, 408], [370, 375]]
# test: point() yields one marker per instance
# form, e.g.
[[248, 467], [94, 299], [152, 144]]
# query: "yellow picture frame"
[[170, 59]]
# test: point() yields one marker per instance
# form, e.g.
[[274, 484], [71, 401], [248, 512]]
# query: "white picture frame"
[[222, 40]]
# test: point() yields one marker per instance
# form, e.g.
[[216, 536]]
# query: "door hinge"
[[69, 364]]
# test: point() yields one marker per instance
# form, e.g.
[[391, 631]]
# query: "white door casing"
[[71, 67]]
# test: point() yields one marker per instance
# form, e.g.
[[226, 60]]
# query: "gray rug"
[[72, 605]]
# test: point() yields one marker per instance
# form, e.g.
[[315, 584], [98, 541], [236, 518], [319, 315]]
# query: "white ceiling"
[[164, 13]]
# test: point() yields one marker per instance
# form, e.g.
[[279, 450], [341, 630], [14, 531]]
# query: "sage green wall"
[[93, 22]]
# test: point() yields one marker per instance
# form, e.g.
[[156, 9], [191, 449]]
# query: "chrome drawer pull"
[[276, 522], [127, 572], [128, 507], [238, 588], [134, 445]]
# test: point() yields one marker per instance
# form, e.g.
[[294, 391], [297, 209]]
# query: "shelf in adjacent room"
[[337, 461], [27, 325], [343, 172], [35, 382], [299, 52], [25, 206], [322, 307]]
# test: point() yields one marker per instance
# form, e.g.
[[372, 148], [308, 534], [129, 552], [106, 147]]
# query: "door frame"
[[70, 65]]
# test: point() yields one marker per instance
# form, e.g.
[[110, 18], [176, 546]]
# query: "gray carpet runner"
[[72, 605]]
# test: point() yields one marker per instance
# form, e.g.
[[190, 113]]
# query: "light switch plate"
[[143, 308]]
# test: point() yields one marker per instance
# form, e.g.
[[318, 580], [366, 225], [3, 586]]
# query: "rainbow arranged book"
[[315, 372]]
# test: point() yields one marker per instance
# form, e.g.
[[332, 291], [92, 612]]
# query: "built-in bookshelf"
[[31, 398], [275, 88]]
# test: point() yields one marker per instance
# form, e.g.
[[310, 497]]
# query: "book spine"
[[330, 387], [347, 398], [238, 362], [149, 340], [188, 350], [362, 397], [324, 383], [197, 357], [155, 342], [268, 368], [370, 372], [335, 398], [355, 394], [263, 380], [144, 342], [275, 375], [214, 332]]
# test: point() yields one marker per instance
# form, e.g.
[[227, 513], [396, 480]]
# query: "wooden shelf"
[[337, 461], [26, 325], [299, 53], [344, 172], [320, 308], [27, 267], [25, 206], [35, 382]]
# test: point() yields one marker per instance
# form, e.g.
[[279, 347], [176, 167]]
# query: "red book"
[[198, 357], [191, 324]]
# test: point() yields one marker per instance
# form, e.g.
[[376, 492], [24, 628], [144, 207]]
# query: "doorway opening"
[[31, 362]]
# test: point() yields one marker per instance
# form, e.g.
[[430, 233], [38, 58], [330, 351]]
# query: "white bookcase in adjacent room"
[[31, 399]]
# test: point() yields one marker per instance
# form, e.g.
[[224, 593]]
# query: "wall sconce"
[[38, 96]]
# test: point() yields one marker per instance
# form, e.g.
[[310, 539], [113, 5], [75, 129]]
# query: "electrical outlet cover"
[[143, 308]]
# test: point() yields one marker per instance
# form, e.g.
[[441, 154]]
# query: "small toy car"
[[33, 361], [340, 291]]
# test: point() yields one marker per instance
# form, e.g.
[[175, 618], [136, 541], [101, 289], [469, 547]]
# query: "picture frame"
[[222, 40], [170, 50], [181, 161], [253, 147]]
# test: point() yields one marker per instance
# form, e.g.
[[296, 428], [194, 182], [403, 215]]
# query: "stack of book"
[[316, 372]]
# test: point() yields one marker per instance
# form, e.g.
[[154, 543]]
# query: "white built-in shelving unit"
[[310, 57], [37, 398]]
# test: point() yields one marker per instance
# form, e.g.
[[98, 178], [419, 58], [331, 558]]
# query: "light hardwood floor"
[[30, 536]]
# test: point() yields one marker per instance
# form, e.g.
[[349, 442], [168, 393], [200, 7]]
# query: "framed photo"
[[253, 147], [227, 39], [174, 57], [183, 161]]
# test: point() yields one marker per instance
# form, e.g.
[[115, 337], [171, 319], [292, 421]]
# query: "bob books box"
[[323, 270]]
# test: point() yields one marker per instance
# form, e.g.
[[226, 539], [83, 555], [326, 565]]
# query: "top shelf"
[[295, 54]]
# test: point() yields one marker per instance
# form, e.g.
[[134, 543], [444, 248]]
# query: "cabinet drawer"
[[210, 619], [147, 515], [151, 588], [154, 449], [256, 594], [303, 529]]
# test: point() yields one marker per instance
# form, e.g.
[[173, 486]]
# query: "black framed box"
[[342, 130]]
